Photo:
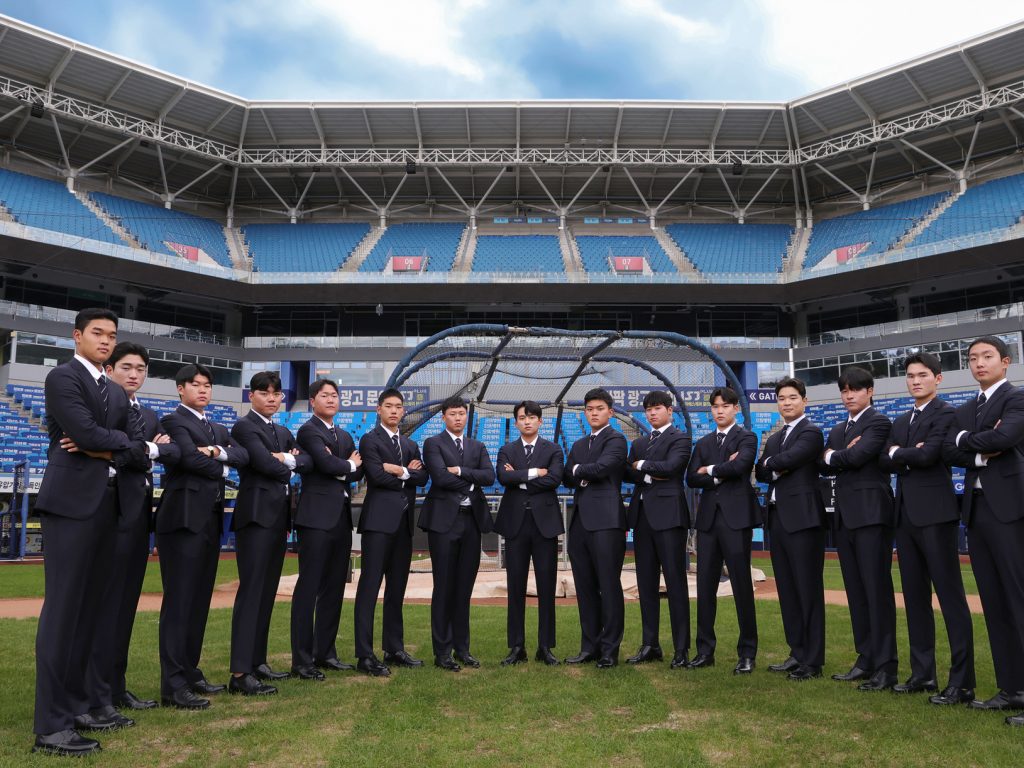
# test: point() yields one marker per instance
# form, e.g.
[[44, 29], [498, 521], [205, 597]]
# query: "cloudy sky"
[[771, 50]]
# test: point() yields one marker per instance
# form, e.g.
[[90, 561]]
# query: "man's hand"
[[702, 471], [162, 439], [454, 470], [69, 445], [356, 459], [635, 464], [394, 469], [541, 471], [415, 464], [986, 456], [733, 457], [210, 451], [278, 456], [509, 468], [919, 445], [853, 442]]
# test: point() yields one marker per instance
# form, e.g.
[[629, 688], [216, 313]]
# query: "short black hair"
[[995, 341], [316, 386], [657, 397], [86, 316], [728, 395], [856, 378], [791, 383], [452, 402], [390, 392], [529, 408], [599, 393], [927, 359], [123, 349], [261, 381], [188, 373]]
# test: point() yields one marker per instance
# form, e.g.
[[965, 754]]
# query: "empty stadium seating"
[[597, 251], [154, 226], [439, 242], [733, 247], [993, 205], [47, 204], [518, 253], [302, 247]]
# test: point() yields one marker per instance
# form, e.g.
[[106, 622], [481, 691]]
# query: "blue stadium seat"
[[596, 251], [47, 204], [438, 242], [733, 247], [518, 253], [995, 204], [302, 247]]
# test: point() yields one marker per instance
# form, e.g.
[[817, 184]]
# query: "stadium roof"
[[928, 122]]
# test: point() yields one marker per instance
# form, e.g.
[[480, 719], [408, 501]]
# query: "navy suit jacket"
[[924, 483], [598, 503], [387, 497], [325, 496], [541, 493], [734, 495], [73, 483], [441, 506], [135, 471], [863, 493], [663, 500], [798, 502]]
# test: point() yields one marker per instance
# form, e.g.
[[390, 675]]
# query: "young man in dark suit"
[[323, 522], [261, 520], [530, 519], [727, 514], [392, 469], [660, 520], [864, 530], [987, 439], [78, 506], [597, 532], [795, 519], [455, 513], [927, 532], [189, 522]]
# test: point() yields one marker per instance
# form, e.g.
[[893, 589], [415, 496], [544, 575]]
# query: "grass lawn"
[[531, 715]]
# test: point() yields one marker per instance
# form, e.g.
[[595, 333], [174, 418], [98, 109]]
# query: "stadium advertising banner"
[[407, 264], [361, 398], [629, 263], [632, 398]]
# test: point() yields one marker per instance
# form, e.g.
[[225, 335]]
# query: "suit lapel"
[[990, 405]]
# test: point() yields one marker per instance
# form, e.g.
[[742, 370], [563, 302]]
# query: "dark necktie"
[[101, 383], [914, 415], [209, 430], [334, 433], [785, 431], [397, 447], [590, 443], [135, 424], [529, 453], [720, 443], [458, 446], [273, 436], [654, 436], [849, 427]]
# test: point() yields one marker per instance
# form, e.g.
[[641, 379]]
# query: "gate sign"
[[406, 263], [629, 263]]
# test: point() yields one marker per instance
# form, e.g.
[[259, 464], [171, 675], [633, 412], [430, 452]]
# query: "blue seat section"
[[733, 247], [302, 247], [993, 205], [492, 431], [596, 251], [439, 242], [518, 253], [154, 225], [881, 227], [356, 423], [47, 204]]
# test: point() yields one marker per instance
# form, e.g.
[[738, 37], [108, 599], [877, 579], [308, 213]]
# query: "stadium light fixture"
[[737, 169], [36, 109], [410, 167]]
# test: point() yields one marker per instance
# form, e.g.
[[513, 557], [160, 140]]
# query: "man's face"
[[130, 372], [390, 411], [325, 403], [922, 384], [455, 420], [658, 415], [196, 394], [724, 413], [598, 413], [986, 365], [266, 402], [856, 400], [527, 424], [97, 341], [791, 403]]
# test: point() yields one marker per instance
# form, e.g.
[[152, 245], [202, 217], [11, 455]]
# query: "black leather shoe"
[[308, 673], [880, 681], [802, 673], [68, 743], [607, 662], [953, 695], [1000, 701], [468, 660], [447, 663], [249, 685], [401, 659], [129, 700], [336, 664], [545, 655], [744, 666], [95, 722], [855, 673], [916, 686], [1016, 720], [371, 665], [679, 661], [108, 712], [581, 658], [183, 698], [645, 654], [789, 665], [516, 655], [264, 672], [205, 687], [702, 660]]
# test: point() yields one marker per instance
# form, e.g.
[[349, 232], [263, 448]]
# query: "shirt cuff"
[[289, 461], [648, 479], [154, 451], [222, 454], [711, 469], [828, 456], [775, 476], [980, 461], [531, 473], [574, 468], [227, 471], [458, 471], [960, 434], [893, 450], [717, 481], [640, 464], [405, 474], [352, 466]]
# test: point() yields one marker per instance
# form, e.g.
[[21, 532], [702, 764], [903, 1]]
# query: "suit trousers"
[[928, 555], [865, 559], [596, 558], [657, 552], [527, 543], [798, 561], [319, 592], [996, 558], [721, 545], [76, 567], [188, 570], [455, 556], [259, 553], [386, 557]]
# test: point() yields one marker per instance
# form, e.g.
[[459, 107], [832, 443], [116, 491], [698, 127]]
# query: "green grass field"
[[530, 715]]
